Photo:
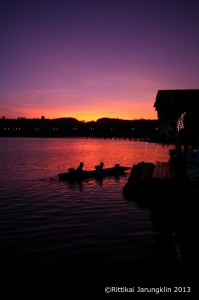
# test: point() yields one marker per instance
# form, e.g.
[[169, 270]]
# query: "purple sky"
[[92, 59]]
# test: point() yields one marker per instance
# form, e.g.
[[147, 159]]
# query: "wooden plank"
[[162, 170], [155, 172], [165, 170]]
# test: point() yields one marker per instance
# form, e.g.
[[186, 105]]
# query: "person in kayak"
[[99, 168], [79, 169]]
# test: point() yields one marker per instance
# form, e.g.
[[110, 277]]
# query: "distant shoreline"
[[70, 127]]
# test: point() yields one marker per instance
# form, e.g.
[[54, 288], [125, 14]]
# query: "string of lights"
[[180, 122]]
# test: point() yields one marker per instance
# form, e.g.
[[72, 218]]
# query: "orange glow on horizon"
[[125, 111]]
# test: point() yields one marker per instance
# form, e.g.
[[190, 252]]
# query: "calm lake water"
[[53, 229]]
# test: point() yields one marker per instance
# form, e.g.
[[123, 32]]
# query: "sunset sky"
[[89, 59]]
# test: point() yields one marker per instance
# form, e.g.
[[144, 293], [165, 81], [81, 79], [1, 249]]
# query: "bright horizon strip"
[[94, 114], [131, 111]]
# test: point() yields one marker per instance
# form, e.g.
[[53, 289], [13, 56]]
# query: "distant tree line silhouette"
[[71, 127]]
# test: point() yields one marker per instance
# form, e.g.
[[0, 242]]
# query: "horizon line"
[[44, 118]]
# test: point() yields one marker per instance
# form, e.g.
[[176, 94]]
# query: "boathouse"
[[178, 118]]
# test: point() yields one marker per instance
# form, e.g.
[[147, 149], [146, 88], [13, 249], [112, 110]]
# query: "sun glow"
[[124, 111]]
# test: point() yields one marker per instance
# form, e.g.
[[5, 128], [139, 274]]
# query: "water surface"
[[53, 228]]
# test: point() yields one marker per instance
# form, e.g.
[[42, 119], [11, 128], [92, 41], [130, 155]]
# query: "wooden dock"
[[164, 170], [164, 177]]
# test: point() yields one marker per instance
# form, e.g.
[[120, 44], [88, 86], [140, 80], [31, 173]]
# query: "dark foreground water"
[[84, 237]]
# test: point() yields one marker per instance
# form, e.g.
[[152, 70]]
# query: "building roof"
[[177, 100]]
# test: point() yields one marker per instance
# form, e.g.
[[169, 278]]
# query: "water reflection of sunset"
[[110, 151]]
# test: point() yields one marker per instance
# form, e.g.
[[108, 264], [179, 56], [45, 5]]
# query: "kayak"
[[73, 175]]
